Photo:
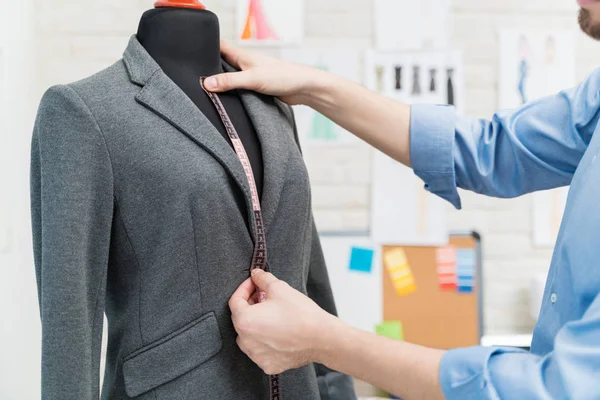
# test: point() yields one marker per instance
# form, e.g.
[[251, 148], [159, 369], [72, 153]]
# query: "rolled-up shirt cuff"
[[432, 131], [465, 373]]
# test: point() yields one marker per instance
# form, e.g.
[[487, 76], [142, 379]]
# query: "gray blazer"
[[134, 214]]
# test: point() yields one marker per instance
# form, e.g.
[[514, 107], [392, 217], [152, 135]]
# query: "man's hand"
[[289, 330], [379, 121], [288, 81], [286, 331]]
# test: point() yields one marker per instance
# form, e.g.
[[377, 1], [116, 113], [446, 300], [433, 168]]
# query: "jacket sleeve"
[[333, 385], [72, 208]]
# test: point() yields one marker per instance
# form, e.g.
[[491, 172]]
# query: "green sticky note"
[[323, 128], [390, 329]]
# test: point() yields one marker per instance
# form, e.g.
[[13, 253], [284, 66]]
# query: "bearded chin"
[[587, 25]]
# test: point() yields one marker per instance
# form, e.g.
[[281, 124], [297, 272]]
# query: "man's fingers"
[[229, 81], [240, 299], [263, 280], [254, 299]]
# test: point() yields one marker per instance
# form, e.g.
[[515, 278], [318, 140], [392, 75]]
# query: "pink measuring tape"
[[259, 258]]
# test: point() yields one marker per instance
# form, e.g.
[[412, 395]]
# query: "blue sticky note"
[[361, 260], [464, 289], [465, 270], [465, 257]]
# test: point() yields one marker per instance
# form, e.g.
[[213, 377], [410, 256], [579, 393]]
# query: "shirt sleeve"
[[535, 147], [569, 372]]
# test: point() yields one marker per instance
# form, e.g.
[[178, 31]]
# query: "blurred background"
[[479, 55]]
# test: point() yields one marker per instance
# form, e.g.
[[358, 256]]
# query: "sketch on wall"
[[417, 77], [398, 24], [411, 24], [402, 211], [315, 129], [534, 65], [270, 21]]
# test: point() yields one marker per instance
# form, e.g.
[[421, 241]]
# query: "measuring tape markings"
[[259, 257]]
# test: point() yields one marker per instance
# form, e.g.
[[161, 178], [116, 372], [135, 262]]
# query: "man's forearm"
[[379, 121], [406, 370]]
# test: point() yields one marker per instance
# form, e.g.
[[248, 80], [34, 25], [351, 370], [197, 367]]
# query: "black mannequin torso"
[[185, 43]]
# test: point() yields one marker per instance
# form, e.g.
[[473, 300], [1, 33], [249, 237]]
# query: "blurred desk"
[[520, 341], [372, 398]]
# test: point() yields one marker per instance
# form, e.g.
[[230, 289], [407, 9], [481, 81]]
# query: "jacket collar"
[[162, 96], [140, 65]]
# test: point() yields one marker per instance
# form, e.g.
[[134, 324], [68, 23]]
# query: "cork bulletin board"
[[432, 315]]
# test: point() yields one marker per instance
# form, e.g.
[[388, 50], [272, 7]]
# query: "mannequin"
[[142, 203], [183, 38]]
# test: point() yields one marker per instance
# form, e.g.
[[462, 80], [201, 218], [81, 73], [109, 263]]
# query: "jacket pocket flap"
[[172, 356]]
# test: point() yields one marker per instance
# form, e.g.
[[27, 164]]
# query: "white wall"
[[19, 323], [75, 39]]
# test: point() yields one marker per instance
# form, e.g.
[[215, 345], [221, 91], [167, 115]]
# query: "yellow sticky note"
[[395, 258], [406, 289], [399, 271]]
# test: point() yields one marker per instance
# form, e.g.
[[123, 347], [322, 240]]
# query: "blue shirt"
[[545, 144]]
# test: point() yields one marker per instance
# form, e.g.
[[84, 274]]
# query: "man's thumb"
[[263, 280], [228, 81]]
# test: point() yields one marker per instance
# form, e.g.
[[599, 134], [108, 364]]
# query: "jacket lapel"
[[162, 96], [271, 127]]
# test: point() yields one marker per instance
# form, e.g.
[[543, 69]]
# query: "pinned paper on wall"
[[438, 23], [412, 24], [361, 259], [270, 21], [446, 268], [402, 211], [399, 271], [398, 24], [356, 310], [548, 208], [391, 330], [314, 129], [465, 270], [427, 77], [534, 65]]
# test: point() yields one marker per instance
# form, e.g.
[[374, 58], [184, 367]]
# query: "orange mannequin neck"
[[194, 4]]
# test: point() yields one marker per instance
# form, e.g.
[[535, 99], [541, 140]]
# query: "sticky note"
[[390, 329], [399, 271], [465, 257], [395, 257], [446, 268], [361, 259], [465, 270], [464, 287], [446, 255]]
